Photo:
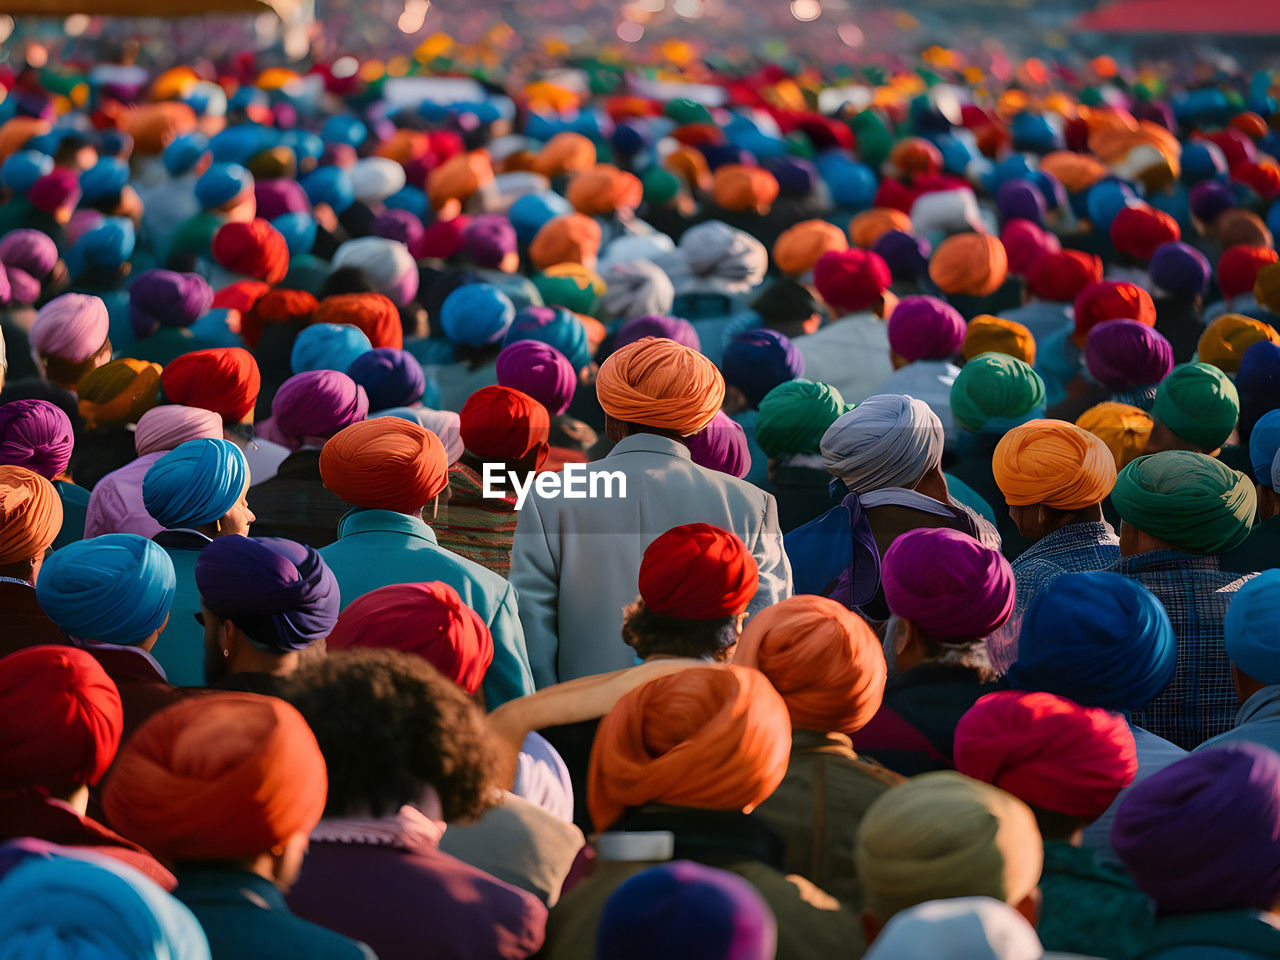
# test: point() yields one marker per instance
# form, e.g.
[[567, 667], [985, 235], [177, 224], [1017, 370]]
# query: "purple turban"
[[73, 327], [1125, 354], [1020, 200], [925, 328], [279, 593], [27, 256], [906, 254], [1180, 269], [1210, 199], [312, 407], [37, 435], [403, 226], [163, 428], [488, 240], [275, 198], [654, 325], [948, 584], [756, 361], [163, 298], [1203, 834], [540, 371], [391, 377], [721, 445]]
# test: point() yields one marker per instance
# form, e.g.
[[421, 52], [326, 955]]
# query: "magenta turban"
[[656, 325], [540, 371], [721, 445], [925, 328], [311, 407], [37, 435], [1124, 354]]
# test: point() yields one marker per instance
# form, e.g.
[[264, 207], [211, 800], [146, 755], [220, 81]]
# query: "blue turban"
[[116, 588], [236, 144], [1252, 642], [298, 230], [328, 346], [330, 186], [852, 184], [1264, 441], [280, 594], [24, 168], [628, 139], [410, 199], [1258, 383], [222, 183], [555, 327], [1033, 132], [105, 178], [90, 907], [305, 145], [106, 247], [1202, 160], [529, 213], [184, 152], [1106, 199], [1099, 639], [195, 483], [476, 314], [756, 361], [344, 128], [390, 377]]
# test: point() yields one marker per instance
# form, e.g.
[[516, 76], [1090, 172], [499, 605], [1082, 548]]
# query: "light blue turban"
[[195, 484], [24, 168], [331, 186], [105, 247], [1252, 642], [108, 176], [116, 588], [299, 231], [328, 346], [476, 314], [529, 213], [1264, 441]]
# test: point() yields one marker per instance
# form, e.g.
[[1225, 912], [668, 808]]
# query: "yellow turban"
[[969, 263], [1225, 340], [660, 383], [118, 392], [988, 334], [798, 248], [867, 227], [1266, 287], [1055, 463], [1123, 428]]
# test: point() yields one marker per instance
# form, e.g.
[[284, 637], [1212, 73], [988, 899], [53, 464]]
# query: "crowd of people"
[[920, 593]]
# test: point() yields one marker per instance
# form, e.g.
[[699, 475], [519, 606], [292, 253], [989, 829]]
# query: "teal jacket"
[[1229, 935], [75, 507], [180, 649]]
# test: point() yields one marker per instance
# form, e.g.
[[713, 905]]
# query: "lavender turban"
[[163, 298], [1180, 269], [721, 445], [925, 328], [540, 371], [163, 428], [313, 406], [1203, 834], [1124, 354], [28, 257], [488, 240], [948, 584], [73, 327], [657, 325], [37, 435], [279, 593], [906, 255], [756, 361], [391, 377]]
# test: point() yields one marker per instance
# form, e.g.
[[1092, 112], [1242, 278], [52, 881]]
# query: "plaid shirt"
[[1200, 701]]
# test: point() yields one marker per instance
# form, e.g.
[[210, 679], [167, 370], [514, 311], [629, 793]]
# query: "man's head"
[[387, 464], [658, 386], [225, 380], [888, 440], [30, 520], [502, 425], [1249, 634], [200, 485]]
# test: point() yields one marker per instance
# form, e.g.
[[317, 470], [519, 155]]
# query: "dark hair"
[[1057, 826], [389, 725], [785, 302], [650, 633], [346, 280]]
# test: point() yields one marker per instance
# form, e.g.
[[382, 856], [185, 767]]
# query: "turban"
[[459, 177], [1180, 269], [994, 392], [948, 584], [164, 298], [105, 246], [1224, 341], [501, 424], [385, 464], [942, 835], [1237, 226], [1019, 199], [571, 238], [636, 289], [254, 249], [62, 719], [489, 240], [721, 445], [372, 313], [886, 441], [851, 280], [30, 514], [195, 484], [1203, 834], [721, 254], [386, 264], [476, 314], [402, 227], [569, 285], [1054, 463], [1138, 230], [227, 776], [958, 927], [241, 296], [56, 192], [697, 572], [906, 254], [1125, 354], [1025, 243], [21, 170], [664, 327], [1059, 276], [867, 227], [118, 392], [72, 327], [36, 434], [988, 334], [1110, 300], [116, 588], [794, 415], [756, 361], [969, 263], [311, 407], [222, 183], [556, 327], [163, 428], [390, 377], [798, 248], [539, 370], [1192, 501], [1264, 441], [566, 152], [328, 346], [330, 186], [375, 178], [1047, 751], [711, 738], [280, 594], [35, 254], [426, 619], [659, 383], [532, 211], [225, 380], [823, 659], [925, 328], [283, 203], [1249, 628], [603, 190], [1198, 403], [1238, 268]]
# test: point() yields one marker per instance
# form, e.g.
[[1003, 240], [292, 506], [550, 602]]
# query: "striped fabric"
[[476, 527]]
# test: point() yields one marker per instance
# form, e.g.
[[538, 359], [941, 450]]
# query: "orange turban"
[[799, 247], [1123, 428], [275, 307], [969, 263], [1266, 287], [604, 190], [660, 383], [226, 776], [566, 153], [867, 227], [712, 738], [459, 177], [988, 334], [739, 188], [1075, 171], [405, 146], [823, 659], [375, 315], [690, 166], [1055, 463], [1225, 340], [385, 464], [15, 132], [571, 238], [118, 392], [154, 126], [30, 514]]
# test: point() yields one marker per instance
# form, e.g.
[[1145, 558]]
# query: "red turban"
[[226, 776], [225, 380], [276, 307], [1239, 265], [385, 464], [1110, 300], [60, 718], [240, 296], [254, 249], [1059, 277], [1137, 231], [851, 280], [426, 619], [498, 423], [30, 514], [698, 572], [376, 316], [1047, 751]]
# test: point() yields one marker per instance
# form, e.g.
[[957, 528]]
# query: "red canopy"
[[1255, 17]]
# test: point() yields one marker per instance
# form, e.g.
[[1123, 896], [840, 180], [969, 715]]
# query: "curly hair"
[[389, 725], [650, 633]]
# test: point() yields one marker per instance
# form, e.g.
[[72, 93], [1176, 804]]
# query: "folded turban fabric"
[[1059, 276], [947, 583], [106, 245], [501, 424], [1238, 268], [988, 334], [489, 240], [1055, 463], [886, 441], [372, 313], [1047, 751], [1020, 199], [554, 326], [275, 307], [1198, 403], [925, 328], [1250, 628], [697, 572], [794, 415], [225, 380], [72, 327], [943, 835], [721, 445], [227, 776], [458, 177], [62, 718], [1192, 501], [55, 192], [163, 298], [756, 361], [1137, 231], [1125, 354], [385, 464], [995, 392], [867, 227], [969, 263], [721, 254], [376, 178], [850, 281], [1180, 269], [906, 254], [603, 190], [196, 483], [1025, 243], [636, 288], [539, 370], [254, 249], [311, 407], [570, 285], [386, 264], [1264, 441], [328, 346], [711, 738], [740, 188], [426, 619], [390, 377], [35, 254], [476, 314], [1224, 341], [566, 152], [1125, 429], [163, 428], [30, 514], [968, 927], [659, 383], [799, 247], [36, 434], [1266, 288], [222, 183], [824, 660], [572, 238], [118, 392], [1110, 300], [1203, 834]]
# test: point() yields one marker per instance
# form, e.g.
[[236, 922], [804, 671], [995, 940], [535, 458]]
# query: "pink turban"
[[72, 327], [163, 428]]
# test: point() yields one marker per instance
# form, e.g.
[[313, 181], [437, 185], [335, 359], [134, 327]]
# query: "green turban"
[[660, 186], [1191, 500], [684, 111], [995, 393], [1199, 404], [794, 415], [575, 293]]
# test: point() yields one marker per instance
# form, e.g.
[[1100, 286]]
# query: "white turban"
[[886, 441], [637, 289], [714, 253], [947, 212], [446, 425], [634, 246], [375, 178], [386, 264], [967, 928]]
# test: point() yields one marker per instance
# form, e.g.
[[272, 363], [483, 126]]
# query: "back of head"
[[163, 428], [118, 392], [888, 440], [988, 334], [925, 328], [1224, 342], [756, 361], [311, 407], [30, 515], [973, 264], [1126, 355], [503, 425], [539, 370], [385, 464], [794, 415], [962, 928], [1055, 463], [37, 435], [1123, 427], [661, 384], [1193, 502], [196, 483]]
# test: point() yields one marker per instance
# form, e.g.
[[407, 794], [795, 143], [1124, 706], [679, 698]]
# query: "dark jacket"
[[1229, 935], [142, 684], [295, 504], [24, 623]]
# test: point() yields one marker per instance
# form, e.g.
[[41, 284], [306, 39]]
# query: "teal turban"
[[995, 392], [1252, 642], [195, 484], [116, 588], [1199, 404], [1191, 500], [328, 346], [794, 415]]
